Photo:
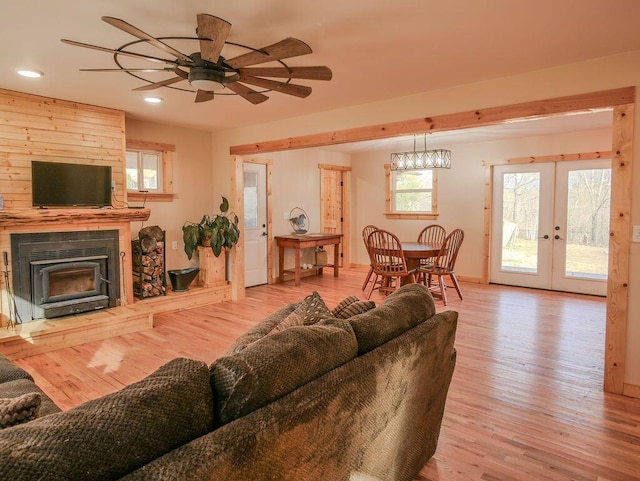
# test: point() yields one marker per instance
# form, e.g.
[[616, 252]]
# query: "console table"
[[298, 242]]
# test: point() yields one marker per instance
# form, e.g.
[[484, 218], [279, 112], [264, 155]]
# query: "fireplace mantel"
[[12, 217]]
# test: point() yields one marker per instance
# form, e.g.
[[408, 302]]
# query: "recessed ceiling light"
[[30, 73], [153, 100]]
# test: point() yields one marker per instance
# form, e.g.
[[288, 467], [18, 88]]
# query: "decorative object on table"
[[182, 278], [424, 159], [148, 262], [321, 257], [299, 221], [218, 232], [216, 68]]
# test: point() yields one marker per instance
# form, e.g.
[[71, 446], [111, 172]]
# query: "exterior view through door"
[[550, 225]]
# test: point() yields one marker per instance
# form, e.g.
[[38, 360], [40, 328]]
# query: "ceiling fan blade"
[[247, 93], [203, 96], [166, 69], [119, 52], [301, 91], [163, 83], [287, 48], [311, 73], [181, 73], [212, 32], [136, 32]]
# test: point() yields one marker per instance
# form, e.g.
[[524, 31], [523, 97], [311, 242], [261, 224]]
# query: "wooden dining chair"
[[432, 234], [368, 229], [388, 262], [444, 265]]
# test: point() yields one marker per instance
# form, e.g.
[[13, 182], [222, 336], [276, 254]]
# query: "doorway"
[[255, 224], [550, 225], [335, 187]]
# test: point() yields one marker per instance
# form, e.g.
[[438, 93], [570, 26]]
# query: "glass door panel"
[[520, 220]]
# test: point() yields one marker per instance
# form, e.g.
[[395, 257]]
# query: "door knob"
[[546, 236], [264, 233]]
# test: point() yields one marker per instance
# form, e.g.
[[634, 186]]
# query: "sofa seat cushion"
[[108, 437], [399, 312], [18, 410], [277, 364]]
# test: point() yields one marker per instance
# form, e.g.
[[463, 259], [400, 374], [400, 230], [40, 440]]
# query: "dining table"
[[415, 251]]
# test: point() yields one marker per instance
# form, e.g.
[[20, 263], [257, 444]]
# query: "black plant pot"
[[181, 278]]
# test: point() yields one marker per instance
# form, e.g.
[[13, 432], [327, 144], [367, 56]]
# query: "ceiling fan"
[[208, 71]]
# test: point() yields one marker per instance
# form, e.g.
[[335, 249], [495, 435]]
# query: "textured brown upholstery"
[[377, 416], [110, 436], [277, 364]]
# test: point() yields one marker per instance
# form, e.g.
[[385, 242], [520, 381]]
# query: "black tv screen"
[[57, 184]]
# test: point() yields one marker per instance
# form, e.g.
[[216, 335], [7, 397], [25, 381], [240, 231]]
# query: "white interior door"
[[255, 224], [550, 226]]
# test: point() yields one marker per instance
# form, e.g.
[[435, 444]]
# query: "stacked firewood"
[[148, 262]]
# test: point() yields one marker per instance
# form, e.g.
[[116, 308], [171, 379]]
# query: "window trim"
[[165, 152], [391, 214]]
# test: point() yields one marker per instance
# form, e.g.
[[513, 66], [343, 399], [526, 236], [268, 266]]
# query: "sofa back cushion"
[[400, 311], [277, 364], [108, 437]]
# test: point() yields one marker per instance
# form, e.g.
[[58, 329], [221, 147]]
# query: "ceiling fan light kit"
[[208, 71]]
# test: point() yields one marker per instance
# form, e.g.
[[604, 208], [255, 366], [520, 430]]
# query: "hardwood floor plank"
[[525, 403]]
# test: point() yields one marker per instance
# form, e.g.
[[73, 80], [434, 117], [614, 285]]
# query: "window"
[[148, 170], [411, 193], [144, 171]]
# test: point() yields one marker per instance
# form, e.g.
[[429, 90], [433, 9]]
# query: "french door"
[[255, 224], [550, 225]]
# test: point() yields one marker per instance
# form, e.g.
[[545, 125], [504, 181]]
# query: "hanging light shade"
[[424, 159]]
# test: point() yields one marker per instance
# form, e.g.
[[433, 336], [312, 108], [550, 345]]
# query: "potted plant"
[[218, 232]]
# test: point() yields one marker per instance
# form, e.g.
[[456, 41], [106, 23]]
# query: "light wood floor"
[[525, 403]]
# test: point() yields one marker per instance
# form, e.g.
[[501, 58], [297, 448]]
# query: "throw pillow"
[[350, 310], [115, 434], [344, 303], [19, 409], [314, 309], [277, 364]]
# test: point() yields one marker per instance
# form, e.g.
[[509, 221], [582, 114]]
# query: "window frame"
[[165, 156], [390, 213]]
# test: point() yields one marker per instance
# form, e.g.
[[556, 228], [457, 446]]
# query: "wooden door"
[[334, 206]]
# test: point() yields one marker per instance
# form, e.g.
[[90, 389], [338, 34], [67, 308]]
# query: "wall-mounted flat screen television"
[[57, 184]]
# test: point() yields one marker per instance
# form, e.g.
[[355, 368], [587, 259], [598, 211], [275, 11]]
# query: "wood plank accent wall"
[[40, 128]]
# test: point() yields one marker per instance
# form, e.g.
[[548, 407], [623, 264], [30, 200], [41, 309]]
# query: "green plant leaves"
[[221, 230]]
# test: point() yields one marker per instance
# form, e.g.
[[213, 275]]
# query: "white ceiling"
[[377, 49]]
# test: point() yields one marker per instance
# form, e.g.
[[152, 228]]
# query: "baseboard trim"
[[631, 390]]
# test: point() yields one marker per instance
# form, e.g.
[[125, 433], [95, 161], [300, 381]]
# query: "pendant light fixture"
[[424, 159]]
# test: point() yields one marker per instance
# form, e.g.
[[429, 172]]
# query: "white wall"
[[594, 75], [296, 183], [192, 186]]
